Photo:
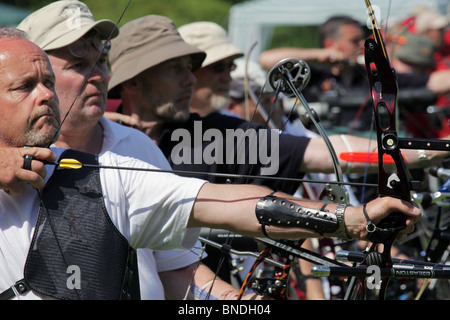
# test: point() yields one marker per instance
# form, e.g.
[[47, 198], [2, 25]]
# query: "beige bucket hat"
[[211, 38], [144, 43], [63, 22]]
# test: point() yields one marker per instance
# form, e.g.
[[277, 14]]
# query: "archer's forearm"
[[233, 207]]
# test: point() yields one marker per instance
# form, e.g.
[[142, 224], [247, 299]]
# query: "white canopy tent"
[[11, 16], [255, 20]]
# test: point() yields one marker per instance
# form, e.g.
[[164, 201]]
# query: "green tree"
[[180, 11]]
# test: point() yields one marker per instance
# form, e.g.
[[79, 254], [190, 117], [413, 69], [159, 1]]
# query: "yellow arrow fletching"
[[70, 164]]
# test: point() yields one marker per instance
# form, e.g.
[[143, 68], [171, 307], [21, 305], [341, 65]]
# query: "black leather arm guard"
[[275, 211]]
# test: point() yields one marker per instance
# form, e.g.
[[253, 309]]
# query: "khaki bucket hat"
[[211, 38], [144, 43], [63, 22]]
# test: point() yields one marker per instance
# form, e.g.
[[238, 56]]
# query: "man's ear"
[[328, 42]]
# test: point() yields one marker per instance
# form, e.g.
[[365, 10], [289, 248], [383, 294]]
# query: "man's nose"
[[46, 94]]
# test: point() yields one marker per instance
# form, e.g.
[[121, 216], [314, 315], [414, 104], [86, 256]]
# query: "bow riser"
[[384, 89]]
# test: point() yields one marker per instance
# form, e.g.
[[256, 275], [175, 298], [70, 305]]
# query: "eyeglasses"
[[80, 48], [220, 67]]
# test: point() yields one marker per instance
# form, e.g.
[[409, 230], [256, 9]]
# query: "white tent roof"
[[11, 16], [255, 20]]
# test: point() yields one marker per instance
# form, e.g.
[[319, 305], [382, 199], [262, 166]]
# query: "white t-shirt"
[[127, 141], [150, 209]]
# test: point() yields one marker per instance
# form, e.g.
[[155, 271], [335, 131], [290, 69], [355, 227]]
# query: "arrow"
[[68, 163]]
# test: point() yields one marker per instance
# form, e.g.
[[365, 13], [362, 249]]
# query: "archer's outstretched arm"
[[233, 207]]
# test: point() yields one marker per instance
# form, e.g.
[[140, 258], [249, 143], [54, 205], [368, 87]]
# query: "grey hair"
[[12, 33], [332, 27]]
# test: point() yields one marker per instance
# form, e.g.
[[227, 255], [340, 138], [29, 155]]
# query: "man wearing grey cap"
[[66, 36]]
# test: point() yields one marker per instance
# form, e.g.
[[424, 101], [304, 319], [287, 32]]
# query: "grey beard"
[[219, 102], [44, 141]]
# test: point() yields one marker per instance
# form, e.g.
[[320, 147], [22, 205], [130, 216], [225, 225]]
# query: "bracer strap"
[[274, 211]]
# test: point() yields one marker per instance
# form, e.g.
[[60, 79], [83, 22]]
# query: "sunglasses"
[[80, 48], [220, 67]]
